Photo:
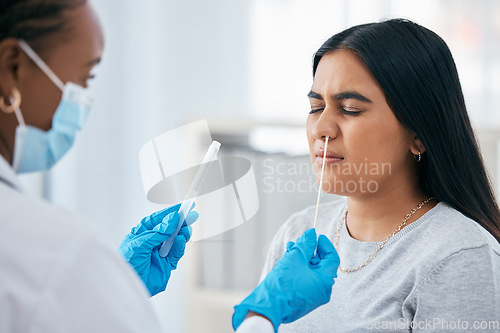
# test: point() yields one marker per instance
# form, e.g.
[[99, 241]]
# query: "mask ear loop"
[[15, 104], [17, 111], [41, 64]]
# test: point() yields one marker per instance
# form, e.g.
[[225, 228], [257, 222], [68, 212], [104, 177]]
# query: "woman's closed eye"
[[346, 111], [350, 111], [316, 109]]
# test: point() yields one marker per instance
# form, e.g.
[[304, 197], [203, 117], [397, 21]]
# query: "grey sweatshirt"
[[440, 273]]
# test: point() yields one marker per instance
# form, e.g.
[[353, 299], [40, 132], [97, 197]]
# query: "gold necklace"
[[398, 229]]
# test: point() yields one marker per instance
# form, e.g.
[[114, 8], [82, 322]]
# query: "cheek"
[[310, 138], [383, 142], [39, 102]]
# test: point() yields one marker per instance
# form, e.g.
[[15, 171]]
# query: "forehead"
[[83, 41], [342, 70], [87, 25]]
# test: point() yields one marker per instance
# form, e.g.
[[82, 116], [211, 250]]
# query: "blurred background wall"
[[245, 66]]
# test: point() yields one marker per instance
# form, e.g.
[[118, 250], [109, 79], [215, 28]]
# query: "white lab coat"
[[58, 275]]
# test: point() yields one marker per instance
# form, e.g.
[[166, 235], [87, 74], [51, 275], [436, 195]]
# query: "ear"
[[11, 57], [417, 146]]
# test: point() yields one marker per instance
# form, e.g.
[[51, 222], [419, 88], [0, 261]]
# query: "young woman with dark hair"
[[418, 236]]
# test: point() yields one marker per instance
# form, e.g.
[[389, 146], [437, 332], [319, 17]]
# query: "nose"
[[325, 125]]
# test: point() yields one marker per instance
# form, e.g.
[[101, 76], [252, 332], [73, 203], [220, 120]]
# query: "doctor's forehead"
[[80, 42]]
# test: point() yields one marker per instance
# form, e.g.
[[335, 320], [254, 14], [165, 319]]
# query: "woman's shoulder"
[[446, 234], [454, 258], [457, 231]]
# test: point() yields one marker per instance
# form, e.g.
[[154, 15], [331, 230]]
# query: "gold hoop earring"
[[15, 102], [419, 156]]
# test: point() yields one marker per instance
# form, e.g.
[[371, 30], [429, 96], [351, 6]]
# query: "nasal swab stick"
[[320, 182], [186, 205]]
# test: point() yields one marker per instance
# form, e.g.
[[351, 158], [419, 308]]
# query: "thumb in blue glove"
[[140, 247], [299, 282]]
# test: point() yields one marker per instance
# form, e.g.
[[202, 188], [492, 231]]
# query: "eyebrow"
[[342, 95]]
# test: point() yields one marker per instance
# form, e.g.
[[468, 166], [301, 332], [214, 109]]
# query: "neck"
[[374, 218], [8, 124]]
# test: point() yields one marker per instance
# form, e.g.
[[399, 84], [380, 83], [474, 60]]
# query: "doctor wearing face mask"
[[56, 274]]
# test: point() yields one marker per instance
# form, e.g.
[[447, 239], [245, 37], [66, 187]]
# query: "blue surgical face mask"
[[38, 150]]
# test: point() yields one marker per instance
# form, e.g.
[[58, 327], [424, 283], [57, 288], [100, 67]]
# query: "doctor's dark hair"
[[34, 20], [416, 71]]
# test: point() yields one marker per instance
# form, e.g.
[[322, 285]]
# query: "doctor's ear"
[[11, 56]]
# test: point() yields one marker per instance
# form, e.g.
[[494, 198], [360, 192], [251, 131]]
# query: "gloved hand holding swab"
[[187, 204]]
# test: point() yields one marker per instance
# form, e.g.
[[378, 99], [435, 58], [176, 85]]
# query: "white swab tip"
[[216, 145]]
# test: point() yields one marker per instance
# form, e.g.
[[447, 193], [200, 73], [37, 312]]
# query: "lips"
[[329, 153], [331, 156]]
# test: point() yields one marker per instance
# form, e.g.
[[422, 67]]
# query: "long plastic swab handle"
[[186, 205], [320, 185], [321, 181]]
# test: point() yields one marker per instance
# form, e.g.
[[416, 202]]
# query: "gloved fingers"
[[315, 260], [289, 246], [161, 216], [172, 224], [330, 259], [177, 251], [149, 239], [307, 243], [325, 246], [149, 222], [191, 217], [166, 229], [186, 231], [171, 221]]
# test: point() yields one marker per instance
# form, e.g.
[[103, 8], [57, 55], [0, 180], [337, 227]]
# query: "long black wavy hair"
[[417, 73]]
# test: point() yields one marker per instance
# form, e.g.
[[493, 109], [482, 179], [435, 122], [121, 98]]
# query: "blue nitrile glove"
[[297, 284], [140, 247]]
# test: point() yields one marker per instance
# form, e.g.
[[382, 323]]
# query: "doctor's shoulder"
[[59, 274], [41, 227]]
